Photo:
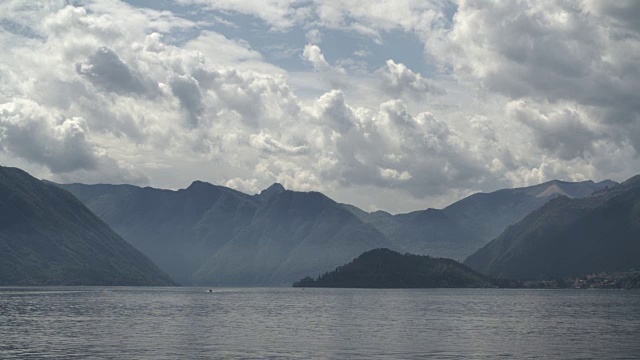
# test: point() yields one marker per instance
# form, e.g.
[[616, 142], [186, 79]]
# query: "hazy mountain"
[[426, 232], [214, 235], [466, 225], [209, 234], [48, 237], [292, 234], [570, 237], [178, 230], [488, 214], [383, 268]]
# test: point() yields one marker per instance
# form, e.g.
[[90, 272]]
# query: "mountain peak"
[[203, 191], [197, 184], [632, 182], [275, 188]]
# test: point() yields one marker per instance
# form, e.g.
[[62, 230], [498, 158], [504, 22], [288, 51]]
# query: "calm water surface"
[[190, 323]]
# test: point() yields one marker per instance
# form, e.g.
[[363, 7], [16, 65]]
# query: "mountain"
[[425, 232], [569, 237], [208, 234], [488, 214], [466, 225], [214, 235], [383, 268], [48, 237], [178, 230]]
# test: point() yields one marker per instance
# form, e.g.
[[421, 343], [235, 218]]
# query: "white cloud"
[[279, 14], [548, 91], [398, 80], [362, 53], [314, 36], [220, 50], [335, 76], [32, 133], [248, 186], [187, 90], [268, 144], [394, 174], [105, 69], [61, 144], [571, 53], [562, 131]]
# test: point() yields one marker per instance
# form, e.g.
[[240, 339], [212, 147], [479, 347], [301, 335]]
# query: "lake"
[[191, 323]]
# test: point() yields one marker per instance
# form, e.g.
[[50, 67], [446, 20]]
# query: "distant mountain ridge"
[[463, 227], [209, 234], [569, 237], [48, 237]]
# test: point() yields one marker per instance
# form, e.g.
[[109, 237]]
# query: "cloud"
[[61, 144], [279, 14], [335, 76], [624, 14], [105, 69], [392, 146], [333, 111], [268, 144], [220, 50], [314, 36], [248, 186], [510, 94], [187, 90], [369, 20], [562, 132], [398, 80], [380, 15], [394, 174], [572, 53], [362, 53]]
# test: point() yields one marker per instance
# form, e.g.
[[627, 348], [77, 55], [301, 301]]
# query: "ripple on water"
[[169, 323]]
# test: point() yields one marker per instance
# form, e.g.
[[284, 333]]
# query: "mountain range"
[[207, 234], [569, 237], [213, 235], [463, 227], [48, 237]]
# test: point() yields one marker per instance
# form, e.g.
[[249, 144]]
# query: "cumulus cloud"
[[563, 132], [391, 147], [123, 92], [398, 80], [187, 90], [394, 174], [248, 186], [223, 51], [105, 69], [335, 76], [268, 144], [61, 144], [572, 53]]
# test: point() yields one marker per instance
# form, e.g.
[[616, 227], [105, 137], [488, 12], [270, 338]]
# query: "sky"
[[397, 105]]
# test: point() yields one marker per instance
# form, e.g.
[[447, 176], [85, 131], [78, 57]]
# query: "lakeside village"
[[621, 280]]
